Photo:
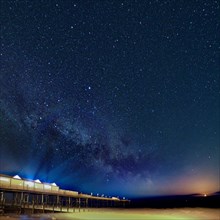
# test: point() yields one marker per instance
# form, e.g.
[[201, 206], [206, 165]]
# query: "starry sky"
[[111, 96]]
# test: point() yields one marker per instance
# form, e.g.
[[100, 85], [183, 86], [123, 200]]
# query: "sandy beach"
[[132, 214]]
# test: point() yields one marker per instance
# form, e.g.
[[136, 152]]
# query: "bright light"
[[205, 195], [17, 177], [54, 184], [37, 181]]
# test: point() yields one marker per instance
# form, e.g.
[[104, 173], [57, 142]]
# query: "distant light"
[[54, 184], [37, 181], [205, 195], [17, 177], [91, 194], [123, 197]]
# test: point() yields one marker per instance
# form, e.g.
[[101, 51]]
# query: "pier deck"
[[22, 195]]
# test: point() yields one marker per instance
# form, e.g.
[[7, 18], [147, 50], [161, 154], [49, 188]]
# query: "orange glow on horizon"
[[197, 185]]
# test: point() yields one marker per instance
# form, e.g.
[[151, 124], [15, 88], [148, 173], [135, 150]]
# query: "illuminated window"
[[4, 179], [29, 184], [38, 186], [48, 187]]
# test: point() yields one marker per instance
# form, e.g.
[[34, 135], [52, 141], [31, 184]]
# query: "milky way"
[[118, 97], [65, 138]]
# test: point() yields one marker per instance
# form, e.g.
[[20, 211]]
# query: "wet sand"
[[132, 214]]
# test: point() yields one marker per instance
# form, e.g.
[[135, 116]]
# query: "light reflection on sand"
[[132, 214]]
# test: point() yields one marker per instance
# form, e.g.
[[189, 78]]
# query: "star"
[[121, 93]]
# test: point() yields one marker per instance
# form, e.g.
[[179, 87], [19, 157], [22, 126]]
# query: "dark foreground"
[[181, 201]]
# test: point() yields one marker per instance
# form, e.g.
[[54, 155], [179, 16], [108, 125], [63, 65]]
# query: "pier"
[[32, 196]]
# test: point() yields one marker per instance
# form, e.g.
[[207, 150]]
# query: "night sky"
[[111, 96]]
